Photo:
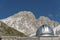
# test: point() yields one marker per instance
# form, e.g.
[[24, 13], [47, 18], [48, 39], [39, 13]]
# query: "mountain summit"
[[23, 21], [26, 22]]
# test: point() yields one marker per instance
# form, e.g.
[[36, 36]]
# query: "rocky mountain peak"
[[26, 22], [45, 20], [23, 21], [24, 14]]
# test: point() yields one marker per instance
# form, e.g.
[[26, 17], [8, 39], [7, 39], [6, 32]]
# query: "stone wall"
[[31, 38]]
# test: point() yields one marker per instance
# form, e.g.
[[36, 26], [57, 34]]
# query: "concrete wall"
[[31, 38]]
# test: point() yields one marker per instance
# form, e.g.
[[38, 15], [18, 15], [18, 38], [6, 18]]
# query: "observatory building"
[[44, 30]]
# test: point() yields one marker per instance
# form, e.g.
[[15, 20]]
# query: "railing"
[[30, 38]]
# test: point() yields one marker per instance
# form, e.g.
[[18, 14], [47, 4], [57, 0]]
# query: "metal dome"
[[44, 29]]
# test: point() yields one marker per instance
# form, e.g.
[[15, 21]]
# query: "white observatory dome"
[[45, 30]]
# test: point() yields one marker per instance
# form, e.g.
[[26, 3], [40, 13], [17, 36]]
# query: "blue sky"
[[49, 8]]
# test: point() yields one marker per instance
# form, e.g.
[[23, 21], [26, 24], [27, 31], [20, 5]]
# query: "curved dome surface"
[[44, 29]]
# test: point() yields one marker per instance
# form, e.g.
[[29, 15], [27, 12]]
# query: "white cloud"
[[50, 15]]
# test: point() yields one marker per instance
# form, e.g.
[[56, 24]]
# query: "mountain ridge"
[[26, 22]]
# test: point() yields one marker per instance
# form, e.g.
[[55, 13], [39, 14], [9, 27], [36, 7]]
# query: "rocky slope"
[[5, 30], [23, 22], [45, 20], [26, 22]]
